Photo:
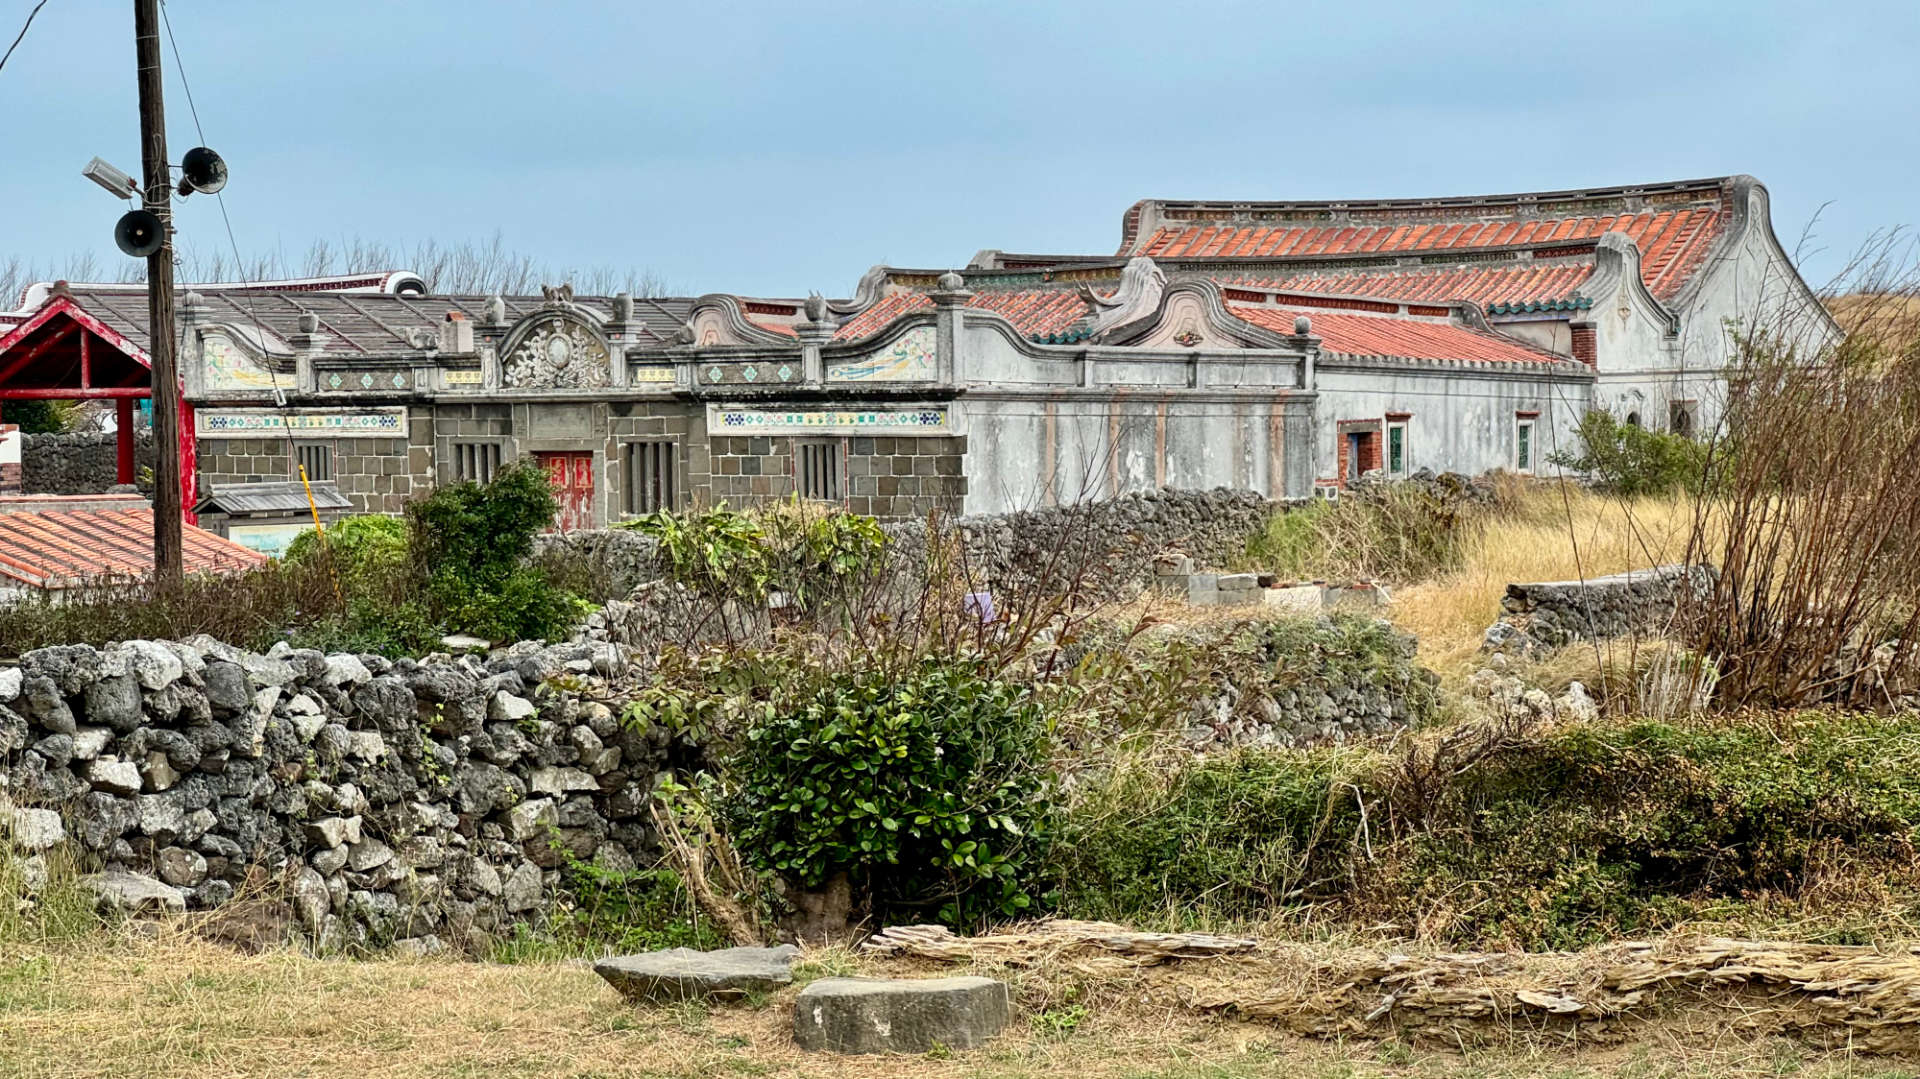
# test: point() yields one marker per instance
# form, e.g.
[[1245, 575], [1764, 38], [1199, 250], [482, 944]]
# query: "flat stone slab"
[[875, 1015], [685, 974]]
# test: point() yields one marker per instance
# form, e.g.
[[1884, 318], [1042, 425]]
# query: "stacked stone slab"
[[427, 800], [680, 974]]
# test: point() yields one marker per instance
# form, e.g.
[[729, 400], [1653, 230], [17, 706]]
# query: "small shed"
[[265, 517]]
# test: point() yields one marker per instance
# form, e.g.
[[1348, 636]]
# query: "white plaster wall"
[[1462, 420]]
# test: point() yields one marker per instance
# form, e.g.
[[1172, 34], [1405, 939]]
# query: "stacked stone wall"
[[80, 462], [1556, 613], [431, 802]]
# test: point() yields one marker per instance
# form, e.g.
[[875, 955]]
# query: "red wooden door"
[[572, 478]]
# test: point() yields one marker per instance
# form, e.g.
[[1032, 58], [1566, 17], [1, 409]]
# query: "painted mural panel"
[[227, 367], [912, 357]]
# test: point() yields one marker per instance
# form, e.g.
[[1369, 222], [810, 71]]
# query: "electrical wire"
[[21, 36], [219, 198]]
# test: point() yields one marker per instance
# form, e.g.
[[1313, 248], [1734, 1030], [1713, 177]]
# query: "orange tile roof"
[[53, 548], [1386, 336], [1545, 282], [1034, 312], [1672, 243]]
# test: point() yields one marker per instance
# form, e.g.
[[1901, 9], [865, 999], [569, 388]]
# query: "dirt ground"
[[175, 1006]]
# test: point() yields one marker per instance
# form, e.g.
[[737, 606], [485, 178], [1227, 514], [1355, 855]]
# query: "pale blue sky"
[[781, 148]]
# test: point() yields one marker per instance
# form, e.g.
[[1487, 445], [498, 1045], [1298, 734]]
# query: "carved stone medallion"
[[560, 354]]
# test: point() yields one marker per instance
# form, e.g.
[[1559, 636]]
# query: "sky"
[[782, 148]]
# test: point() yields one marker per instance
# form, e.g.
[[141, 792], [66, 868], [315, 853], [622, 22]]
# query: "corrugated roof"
[[1388, 336], [353, 323], [57, 548], [285, 496]]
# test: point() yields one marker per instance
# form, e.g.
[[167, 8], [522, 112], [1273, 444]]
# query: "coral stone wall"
[[79, 462], [371, 801], [1551, 614]]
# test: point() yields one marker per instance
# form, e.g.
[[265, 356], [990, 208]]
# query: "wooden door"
[[572, 477]]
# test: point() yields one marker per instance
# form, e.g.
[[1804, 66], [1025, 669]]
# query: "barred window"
[[819, 470], [650, 476], [315, 459], [476, 461]]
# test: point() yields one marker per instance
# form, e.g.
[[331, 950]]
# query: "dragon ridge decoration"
[[560, 354]]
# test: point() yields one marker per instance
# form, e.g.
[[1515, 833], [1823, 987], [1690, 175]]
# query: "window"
[[1633, 419], [650, 476], [476, 461], [1397, 445], [315, 459], [1523, 444], [1680, 418], [819, 470]]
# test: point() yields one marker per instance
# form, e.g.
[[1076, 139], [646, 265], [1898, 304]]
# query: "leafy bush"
[[930, 792], [1396, 532], [44, 417], [471, 543], [369, 548], [813, 554], [1626, 459]]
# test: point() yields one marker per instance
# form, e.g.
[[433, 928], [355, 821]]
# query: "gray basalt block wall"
[[426, 803], [78, 462]]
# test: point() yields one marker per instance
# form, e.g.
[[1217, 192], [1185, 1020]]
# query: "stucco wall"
[[1459, 419]]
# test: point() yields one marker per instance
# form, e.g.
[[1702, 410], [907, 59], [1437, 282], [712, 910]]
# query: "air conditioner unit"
[[1331, 494]]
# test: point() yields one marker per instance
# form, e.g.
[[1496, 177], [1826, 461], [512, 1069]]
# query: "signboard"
[[914, 420], [270, 540], [390, 422]]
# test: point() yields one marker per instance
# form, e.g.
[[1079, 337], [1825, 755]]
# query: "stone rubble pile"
[[429, 802]]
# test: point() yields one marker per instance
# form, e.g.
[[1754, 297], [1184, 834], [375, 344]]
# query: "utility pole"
[[167, 568]]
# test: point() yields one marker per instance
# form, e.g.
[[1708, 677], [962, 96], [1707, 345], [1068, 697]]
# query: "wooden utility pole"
[[167, 511]]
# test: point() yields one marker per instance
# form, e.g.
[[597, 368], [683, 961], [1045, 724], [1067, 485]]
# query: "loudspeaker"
[[202, 170], [139, 233]]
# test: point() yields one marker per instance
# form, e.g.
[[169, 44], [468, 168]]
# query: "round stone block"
[[874, 1015]]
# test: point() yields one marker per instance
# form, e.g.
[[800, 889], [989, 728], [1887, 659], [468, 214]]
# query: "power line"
[[23, 32]]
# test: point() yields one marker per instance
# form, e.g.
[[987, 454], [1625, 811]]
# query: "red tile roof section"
[[1483, 285], [1034, 312], [51, 548], [1673, 243], [1386, 336]]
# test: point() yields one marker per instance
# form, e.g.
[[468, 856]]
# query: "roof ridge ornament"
[[560, 296]]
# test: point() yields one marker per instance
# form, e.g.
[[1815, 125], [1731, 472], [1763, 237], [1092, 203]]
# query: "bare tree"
[[472, 267]]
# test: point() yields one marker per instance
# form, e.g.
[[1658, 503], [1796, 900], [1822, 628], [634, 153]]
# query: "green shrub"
[[1395, 532], [1625, 459], [372, 547], [1231, 835], [471, 543], [930, 791], [814, 555]]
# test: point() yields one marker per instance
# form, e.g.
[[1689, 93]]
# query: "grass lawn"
[[175, 1006]]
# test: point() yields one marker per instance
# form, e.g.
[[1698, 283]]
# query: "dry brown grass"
[[1550, 533], [177, 1007]]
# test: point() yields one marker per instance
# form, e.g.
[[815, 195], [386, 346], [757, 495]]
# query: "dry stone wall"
[[427, 803], [78, 462], [1556, 613]]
